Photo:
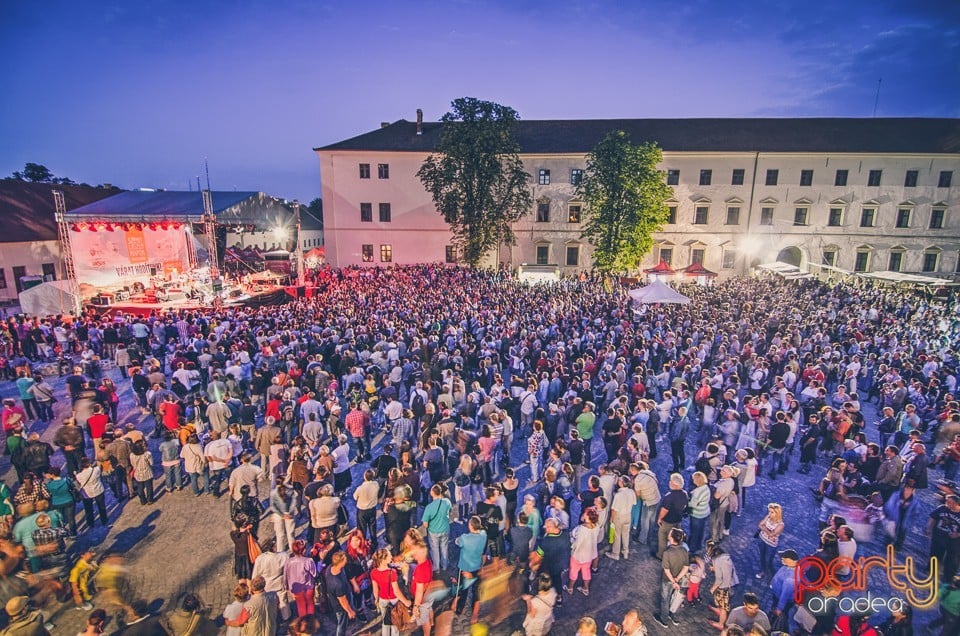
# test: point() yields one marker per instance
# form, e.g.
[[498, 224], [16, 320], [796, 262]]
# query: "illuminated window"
[[386, 253]]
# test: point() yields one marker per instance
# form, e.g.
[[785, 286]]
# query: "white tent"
[[49, 299], [657, 292]]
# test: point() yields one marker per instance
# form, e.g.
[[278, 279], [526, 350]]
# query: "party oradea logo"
[[814, 574]]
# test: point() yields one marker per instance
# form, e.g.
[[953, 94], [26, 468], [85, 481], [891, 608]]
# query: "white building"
[[854, 194]]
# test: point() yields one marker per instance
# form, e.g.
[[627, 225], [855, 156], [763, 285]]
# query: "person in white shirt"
[[219, 453], [621, 512], [367, 497], [269, 565]]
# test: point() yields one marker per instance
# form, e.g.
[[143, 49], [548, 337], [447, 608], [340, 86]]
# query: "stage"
[[267, 296]]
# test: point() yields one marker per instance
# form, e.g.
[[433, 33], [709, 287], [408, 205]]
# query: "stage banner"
[[107, 259]]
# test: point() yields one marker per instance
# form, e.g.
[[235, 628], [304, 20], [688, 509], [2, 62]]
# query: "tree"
[[624, 196], [39, 173], [475, 176], [316, 210]]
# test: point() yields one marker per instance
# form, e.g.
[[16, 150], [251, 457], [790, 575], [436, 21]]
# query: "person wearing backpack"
[[418, 401], [679, 427]]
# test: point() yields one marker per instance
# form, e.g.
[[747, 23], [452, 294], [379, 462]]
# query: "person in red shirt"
[[357, 424], [386, 585], [170, 411], [97, 424], [273, 408], [422, 576]]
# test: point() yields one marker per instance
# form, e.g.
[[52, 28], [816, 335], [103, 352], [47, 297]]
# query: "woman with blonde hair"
[[768, 534], [586, 626]]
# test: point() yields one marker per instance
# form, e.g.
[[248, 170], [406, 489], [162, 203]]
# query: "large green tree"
[[475, 176], [624, 196], [38, 173]]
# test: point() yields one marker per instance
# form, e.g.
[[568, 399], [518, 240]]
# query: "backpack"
[[714, 502], [461, 480], [418, 404], [702, 465]]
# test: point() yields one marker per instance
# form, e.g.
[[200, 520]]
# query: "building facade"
[[857, 195]]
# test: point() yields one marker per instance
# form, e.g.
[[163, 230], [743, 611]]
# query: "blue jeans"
[[173, 477], [342, 620], [215, 479], [767, 552], [646, 522], [697, 529], [666, 591], [439, 548], [198, 481]]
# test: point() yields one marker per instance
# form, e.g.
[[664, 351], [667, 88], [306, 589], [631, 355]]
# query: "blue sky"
[[139, 93]]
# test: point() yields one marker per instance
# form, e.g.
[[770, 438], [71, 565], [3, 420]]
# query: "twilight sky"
[[139, 93]]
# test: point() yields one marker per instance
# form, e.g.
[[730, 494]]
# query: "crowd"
[[427, 443]]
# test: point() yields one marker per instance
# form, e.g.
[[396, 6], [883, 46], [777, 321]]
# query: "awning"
[[902, 278], [785, 270], [697, 269], [661, 268]]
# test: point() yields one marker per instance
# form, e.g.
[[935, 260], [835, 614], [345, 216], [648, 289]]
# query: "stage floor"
[[266, 296]]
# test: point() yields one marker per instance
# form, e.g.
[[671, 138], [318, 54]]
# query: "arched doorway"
[[790, 256]]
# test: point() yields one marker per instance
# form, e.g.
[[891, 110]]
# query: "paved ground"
[[182, 544]]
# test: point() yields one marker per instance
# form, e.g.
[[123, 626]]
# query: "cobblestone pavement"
[[182, 544]]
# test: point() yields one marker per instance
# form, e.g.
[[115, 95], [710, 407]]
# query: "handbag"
[[400, 615], [676, 600], [253, 548]]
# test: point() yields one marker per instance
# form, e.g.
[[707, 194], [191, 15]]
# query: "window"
[[573, 256], [903, 218], [841, 178], [383, 170], [706, 176], [895, 264], [696, 256], [936, 218], [733, 216], [868, 217], [700, 215], [386, 253], [543, 212], [766, 216], [576, 176], [873, 178], [19, 271], [573, 213], [366, 213], [543, 254], [772, 177], [806, 177], [800, 216], [931, 261], [364, 170], [835, 217], [544, 178], [737, 178], [671, 215], [946, 176], [666, 255], [451, 255], [384, 212], [830, 258], [862, 261], [729, 259], [673, 177], [49, 271], [910, 179], [367, 252], [3, 279]]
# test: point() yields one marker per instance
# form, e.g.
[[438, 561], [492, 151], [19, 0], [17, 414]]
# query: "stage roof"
[[27, 210], [162, 204]]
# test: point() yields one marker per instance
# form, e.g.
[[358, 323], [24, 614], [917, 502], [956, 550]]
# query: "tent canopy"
[[698, 269], [49, 299], [317, 253], [660, 268], [658, 292]]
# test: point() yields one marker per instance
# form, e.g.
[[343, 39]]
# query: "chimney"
[[384, 124], [419, 121]]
